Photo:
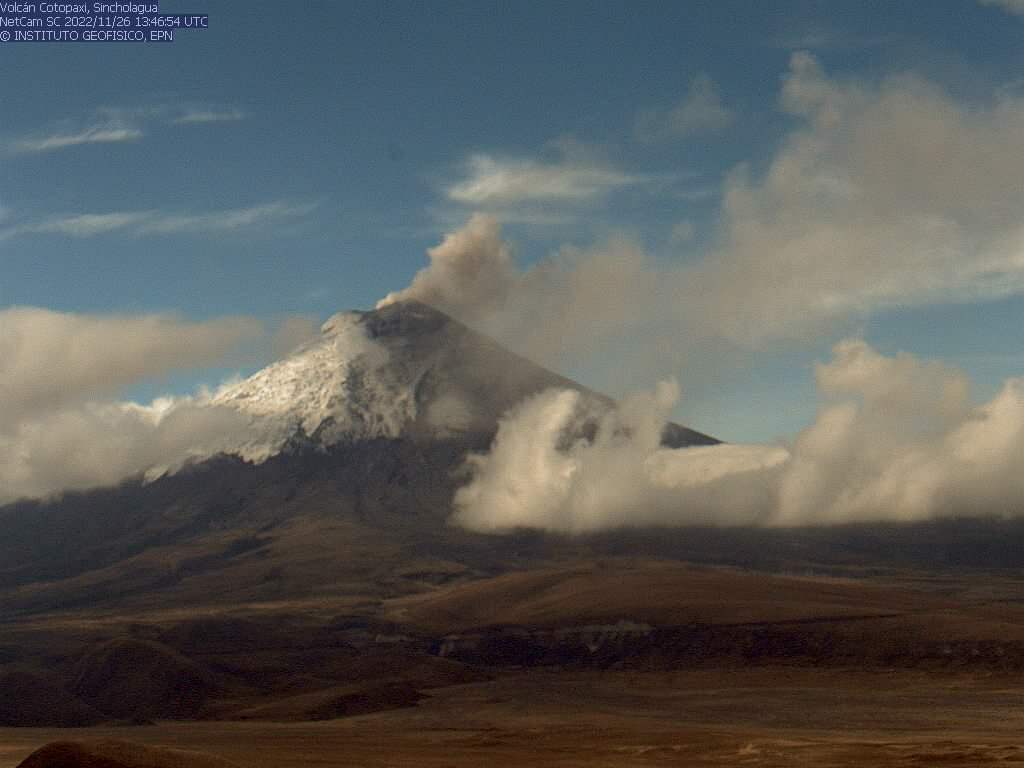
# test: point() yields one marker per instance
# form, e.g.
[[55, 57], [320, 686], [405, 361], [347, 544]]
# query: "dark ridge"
[[131, 678], [118, 754], [34, 701]]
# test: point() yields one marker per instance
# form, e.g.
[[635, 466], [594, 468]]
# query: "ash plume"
[[885, 194]]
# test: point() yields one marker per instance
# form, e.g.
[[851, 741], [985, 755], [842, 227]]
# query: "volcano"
[[344, 491], [352, 459], [405, 370], [314, 574]]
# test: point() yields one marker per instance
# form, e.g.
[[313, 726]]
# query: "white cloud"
[[156, 222], [492, 181], [1011, 6], [899, 439], [225, 220], [98, 444], [61, 425], [102, 133], [886, 195], [895, 438], [112, 125], [85, 224], [701, 111], [51, 359], [620, 478]]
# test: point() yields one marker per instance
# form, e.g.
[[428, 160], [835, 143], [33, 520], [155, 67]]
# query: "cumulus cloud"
[[530, 478], [896, 438], [700, 111], [899, 439], [62, 425], [52, 359], [98, 444], [888, 194]]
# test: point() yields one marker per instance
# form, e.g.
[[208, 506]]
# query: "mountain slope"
[[357, 439], [356, 504], [403, 370]]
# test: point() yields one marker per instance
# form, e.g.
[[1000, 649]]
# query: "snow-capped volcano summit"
[[338, 384], [405, 369]]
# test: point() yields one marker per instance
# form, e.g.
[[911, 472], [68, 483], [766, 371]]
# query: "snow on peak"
[[337, 386], [403, 370]]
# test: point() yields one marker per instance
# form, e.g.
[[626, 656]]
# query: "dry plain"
[[590, 664], [773, 716]]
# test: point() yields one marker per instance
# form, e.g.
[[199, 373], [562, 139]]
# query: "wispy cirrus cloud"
[[225, 220], [491, 180], [97, 133], [82, 224], [177, 113], [113, 125], [159, 222]]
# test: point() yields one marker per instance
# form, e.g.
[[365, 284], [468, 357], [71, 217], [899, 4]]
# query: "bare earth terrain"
[[592, 663], [773, 716]]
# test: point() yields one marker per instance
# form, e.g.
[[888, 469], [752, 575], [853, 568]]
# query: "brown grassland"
[[611, 663]]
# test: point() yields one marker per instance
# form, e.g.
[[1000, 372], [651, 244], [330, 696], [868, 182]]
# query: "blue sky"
[[298, 160]]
